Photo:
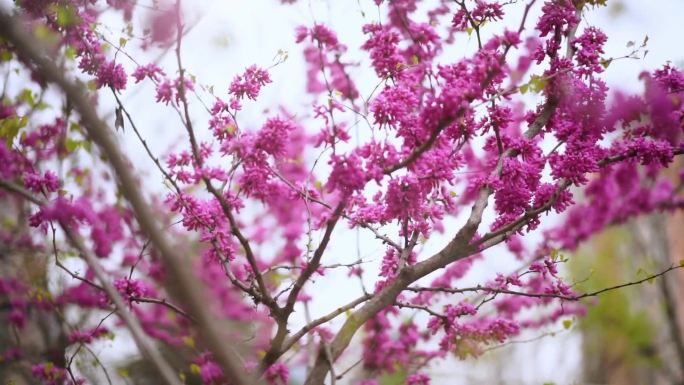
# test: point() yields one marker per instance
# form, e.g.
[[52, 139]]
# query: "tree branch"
[[185, 286], [225, 206], [282, 317], [319, 321], [142, 341], [545, 295], [457, 249]]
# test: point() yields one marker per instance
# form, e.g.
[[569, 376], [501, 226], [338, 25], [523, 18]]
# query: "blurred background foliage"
[[631, 335]]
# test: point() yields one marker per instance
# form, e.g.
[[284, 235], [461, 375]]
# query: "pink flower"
[[36, 183], [367, 382], [589, 48], [347, 175], [277, 374], [151, 71], [210, 372], [164, 92], [111, 74], [418, 379], [382, 45], [249, 83], [272, 137], [557, 14]]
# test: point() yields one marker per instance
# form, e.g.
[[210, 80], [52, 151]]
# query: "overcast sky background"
[[229, 35]]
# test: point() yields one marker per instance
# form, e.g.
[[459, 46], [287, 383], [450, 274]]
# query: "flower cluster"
[[249, 83], [257, 205], [325, 69]]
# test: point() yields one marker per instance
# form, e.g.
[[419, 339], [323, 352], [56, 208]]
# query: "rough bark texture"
[[42, 338]]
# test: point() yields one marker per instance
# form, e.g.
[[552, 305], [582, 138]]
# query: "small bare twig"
[[546, 295]]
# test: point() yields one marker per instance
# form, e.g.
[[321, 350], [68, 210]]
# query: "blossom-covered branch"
[[516, 146]]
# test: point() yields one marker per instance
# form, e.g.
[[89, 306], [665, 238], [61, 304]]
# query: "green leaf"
[[67, 16], [9, 128], [537, 83], [567, 324], [5, 55], [222, 42], [67, 254], [124, 372], [70, 52], [606, 62], [26, 96], [523, 88], [72, 145], [87, 145], [597, 2], [397, 377], [681, 262], [171, 315], [189, 341], [45, 34]]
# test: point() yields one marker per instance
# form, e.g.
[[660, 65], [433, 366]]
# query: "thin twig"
[[545, 295]]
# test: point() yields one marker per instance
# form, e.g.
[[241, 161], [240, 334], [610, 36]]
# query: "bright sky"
[[241, 33], [229, 35]]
